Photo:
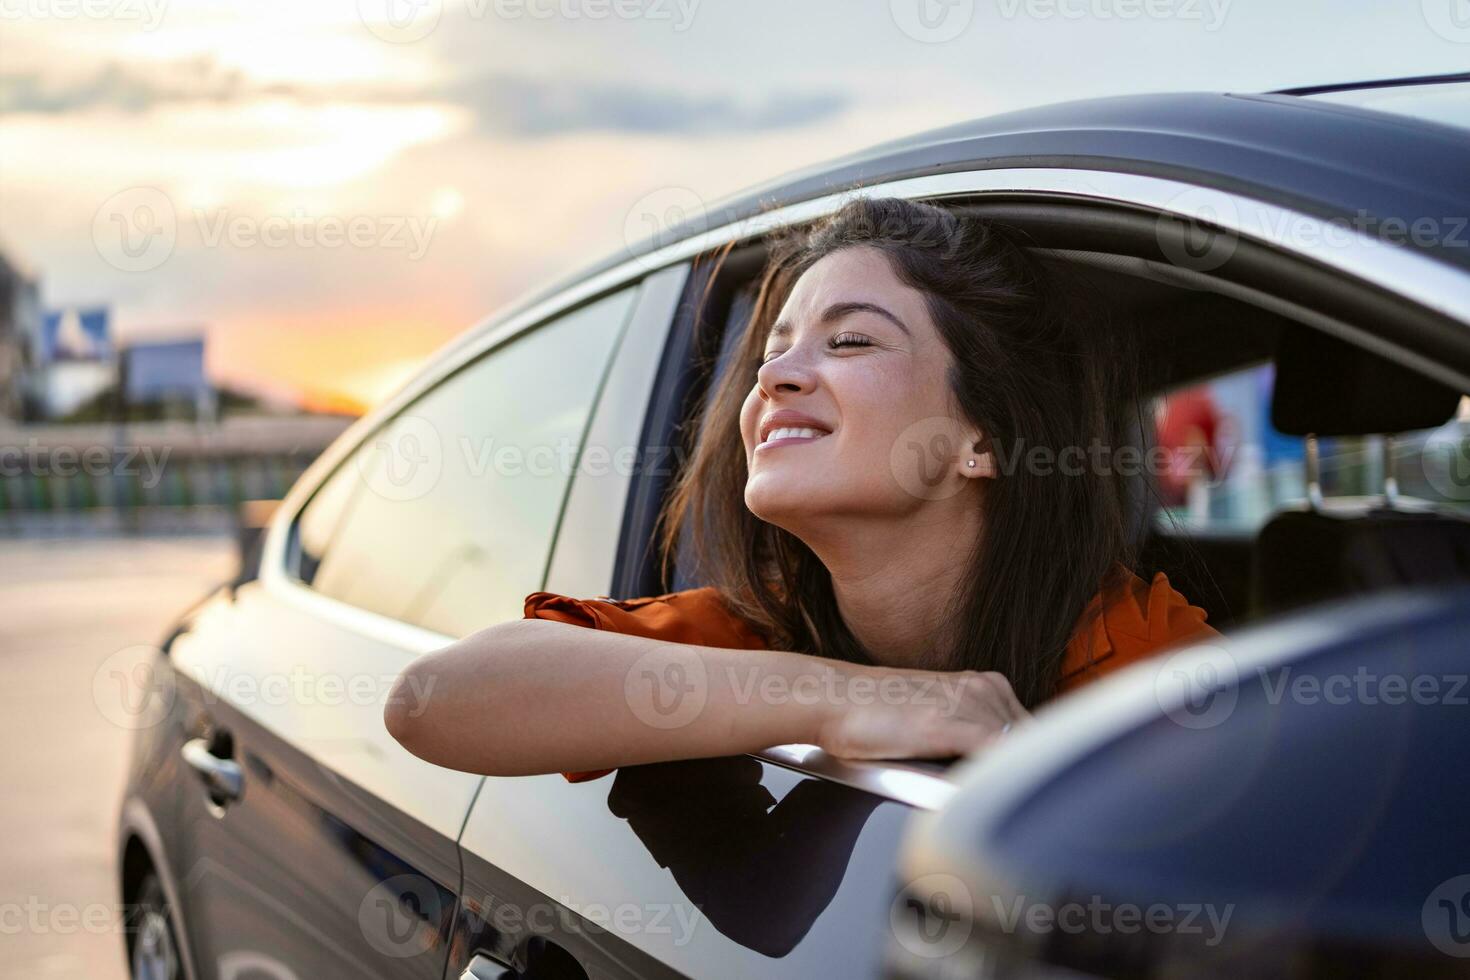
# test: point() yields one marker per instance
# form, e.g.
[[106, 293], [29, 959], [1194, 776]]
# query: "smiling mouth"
[[787, 435]]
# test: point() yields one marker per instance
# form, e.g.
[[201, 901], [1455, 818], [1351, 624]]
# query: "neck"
[[895, 580]]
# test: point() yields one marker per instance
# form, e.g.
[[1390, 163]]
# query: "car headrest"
[[1328, 387]]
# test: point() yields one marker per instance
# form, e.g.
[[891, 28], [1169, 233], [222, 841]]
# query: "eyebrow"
[[837, 311]]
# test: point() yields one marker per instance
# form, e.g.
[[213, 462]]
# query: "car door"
[[310, 844], [734, 867]]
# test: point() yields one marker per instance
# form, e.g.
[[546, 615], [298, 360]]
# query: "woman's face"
[[852, 395]]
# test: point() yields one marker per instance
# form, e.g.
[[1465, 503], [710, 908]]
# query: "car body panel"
[[344, 849]]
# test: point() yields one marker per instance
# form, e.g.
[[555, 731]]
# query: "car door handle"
[[483, 967], [224, 777]]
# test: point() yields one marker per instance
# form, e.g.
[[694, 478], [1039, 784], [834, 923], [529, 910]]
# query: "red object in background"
[[1188, 428]]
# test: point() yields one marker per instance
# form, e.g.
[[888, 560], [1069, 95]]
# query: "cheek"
[[749, 418]]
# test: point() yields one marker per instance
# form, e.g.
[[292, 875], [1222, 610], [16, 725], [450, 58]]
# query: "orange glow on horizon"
[[341, 361]]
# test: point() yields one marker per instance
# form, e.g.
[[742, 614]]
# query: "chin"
[[780, 502]]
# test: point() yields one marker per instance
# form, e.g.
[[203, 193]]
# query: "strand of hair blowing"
[[1034, 366]]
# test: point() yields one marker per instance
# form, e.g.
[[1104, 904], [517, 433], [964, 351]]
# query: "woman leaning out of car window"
[[905, 504]]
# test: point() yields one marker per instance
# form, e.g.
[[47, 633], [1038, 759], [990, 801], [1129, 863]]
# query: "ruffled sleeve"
[[1139, 620], [696, 616]]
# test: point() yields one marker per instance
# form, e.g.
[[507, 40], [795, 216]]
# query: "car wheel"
[[154, 955]]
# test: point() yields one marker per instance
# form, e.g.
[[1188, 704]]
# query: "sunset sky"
[[338, 186]]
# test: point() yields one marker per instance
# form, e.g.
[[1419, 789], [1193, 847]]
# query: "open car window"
[[1230, 469]]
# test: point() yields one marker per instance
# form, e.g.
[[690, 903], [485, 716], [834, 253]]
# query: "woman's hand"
[[922, 715]]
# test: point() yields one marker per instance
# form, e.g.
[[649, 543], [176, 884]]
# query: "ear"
[[980, 460]]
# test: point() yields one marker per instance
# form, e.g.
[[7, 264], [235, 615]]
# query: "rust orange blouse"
[[1138, 620]]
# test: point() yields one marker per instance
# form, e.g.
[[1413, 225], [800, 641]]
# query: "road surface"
[[66, 606]]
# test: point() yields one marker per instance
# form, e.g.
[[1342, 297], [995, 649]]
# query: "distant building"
[[20, 331], [168, 371], [75, 360]]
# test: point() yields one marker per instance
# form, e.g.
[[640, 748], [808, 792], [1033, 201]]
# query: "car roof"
[[1335, 162]]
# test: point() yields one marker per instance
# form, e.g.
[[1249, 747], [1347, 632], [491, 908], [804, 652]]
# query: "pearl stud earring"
[[972, 464]]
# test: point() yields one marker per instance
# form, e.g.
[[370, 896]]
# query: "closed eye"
[[850, 340], [839, 340]]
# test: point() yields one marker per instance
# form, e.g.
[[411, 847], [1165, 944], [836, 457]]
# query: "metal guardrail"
[[80, 469]]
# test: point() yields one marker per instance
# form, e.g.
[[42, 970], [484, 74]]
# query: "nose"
[[788, 372]]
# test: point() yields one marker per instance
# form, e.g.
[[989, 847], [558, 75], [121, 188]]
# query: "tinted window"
[[444, 517], [1232, 470]]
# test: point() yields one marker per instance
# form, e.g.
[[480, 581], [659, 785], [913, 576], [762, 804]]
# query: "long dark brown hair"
[[1033, 366]]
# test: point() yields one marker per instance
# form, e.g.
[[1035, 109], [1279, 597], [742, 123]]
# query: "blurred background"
[[228, 228]]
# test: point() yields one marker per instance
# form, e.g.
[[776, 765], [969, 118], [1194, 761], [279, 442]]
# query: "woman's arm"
[[533, 696]]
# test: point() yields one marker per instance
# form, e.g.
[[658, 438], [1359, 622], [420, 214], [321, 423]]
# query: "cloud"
[[121, 89], [535, 107], [503, 104]]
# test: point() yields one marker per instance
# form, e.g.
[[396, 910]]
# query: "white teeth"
[[793, 433]]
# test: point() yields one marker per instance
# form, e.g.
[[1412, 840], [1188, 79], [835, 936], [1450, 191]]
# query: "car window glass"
[[1229, 470], [444, 517]]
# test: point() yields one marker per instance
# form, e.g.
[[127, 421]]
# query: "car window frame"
[[280, 550], [1434, 288]]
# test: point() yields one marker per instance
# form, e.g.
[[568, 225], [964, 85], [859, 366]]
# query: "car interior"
[[1350, 361]]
